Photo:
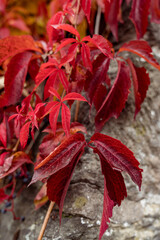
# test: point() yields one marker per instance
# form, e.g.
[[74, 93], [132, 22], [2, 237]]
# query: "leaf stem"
[[45, 221]]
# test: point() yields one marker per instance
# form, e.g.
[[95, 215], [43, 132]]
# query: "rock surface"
[[138, 218]]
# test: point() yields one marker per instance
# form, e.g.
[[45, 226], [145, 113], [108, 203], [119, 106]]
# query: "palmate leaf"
[[139, 16], [141, 83], [13, 162], [14, 78], [86, 6], [155, 11], [112, 9], [98, 76], [115, 158], [59, 166], [142, 49], [13, 45], [116, 98]]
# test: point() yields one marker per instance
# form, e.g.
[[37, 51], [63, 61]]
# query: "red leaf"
[[41, 197], [74, 96], [142, 49], [99, 75], [43, 74], [13, 45], [15, 161], [53, 117], [54, 93], [51, 82], [19, 24], [118, 156], [4, 32], [112, 9], [115, 157], [63, 79], [85, 51], [59, 158], [53, 34], [70, 55], [58, 183], [3, 196], [116, 98], [86, 5], [141, 82], [101, 43], [24, 133], [3, 132], [14, 78], [99, 96], [155, 11], [66, 118], [2, 6], [68, 28], [139, 16], [108, 205], [65, 43]]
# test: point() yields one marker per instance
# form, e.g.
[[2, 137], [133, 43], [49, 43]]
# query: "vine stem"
[[45, 221], [98, 19]]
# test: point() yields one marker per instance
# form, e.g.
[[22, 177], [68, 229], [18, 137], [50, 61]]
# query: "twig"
[[76, 111], [98, 19], [45, 221]]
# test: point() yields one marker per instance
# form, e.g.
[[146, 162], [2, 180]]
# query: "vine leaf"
[[141, 83], [59, 166], [14, 78], [139, 16], [13, 162], [116, 98], [13, 45], [142, 49], [115, 157]]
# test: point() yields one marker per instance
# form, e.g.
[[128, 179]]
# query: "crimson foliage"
[[48, 77]]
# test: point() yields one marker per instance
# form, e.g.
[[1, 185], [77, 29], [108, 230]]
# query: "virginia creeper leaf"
[[14, 78], [53, 34], [155, 11], [118, 156], [59, 158], [58, 183], [86, 5], [139, 16], [85, 51], [142, 49], [13, 45], [108, 205], [68, 28], [24, 133], [74, 96], [112, 9], [53, 116], [3, 132], [141, 83], [116, 98], [15, 161], [66, 118], [99, 75]]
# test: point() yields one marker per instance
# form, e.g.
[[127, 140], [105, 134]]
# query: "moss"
[[80, 202]]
